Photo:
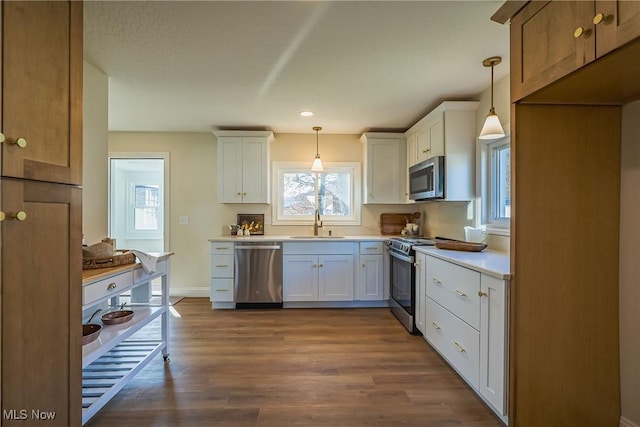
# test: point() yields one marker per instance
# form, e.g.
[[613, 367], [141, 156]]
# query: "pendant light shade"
[[492, 128], [317, 163]]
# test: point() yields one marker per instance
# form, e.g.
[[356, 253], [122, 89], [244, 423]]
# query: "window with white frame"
[[497, 198], [334, 192], [145, 218]]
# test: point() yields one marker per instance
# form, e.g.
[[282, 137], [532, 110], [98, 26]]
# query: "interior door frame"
[[165, 156]]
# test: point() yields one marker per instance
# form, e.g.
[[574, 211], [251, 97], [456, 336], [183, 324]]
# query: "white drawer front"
[[455, 288], [319, 248], [140, 276], [455, 340], [371, 248], [222, 290], [103, 288], [222, 265], [222, 248]]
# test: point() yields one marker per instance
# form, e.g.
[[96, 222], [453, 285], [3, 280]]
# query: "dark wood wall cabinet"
[[574, 64], [41, 212]]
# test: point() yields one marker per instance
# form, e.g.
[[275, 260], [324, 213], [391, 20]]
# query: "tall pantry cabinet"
[[574, 64], [40, 212]]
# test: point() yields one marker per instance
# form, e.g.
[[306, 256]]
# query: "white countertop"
[[301, 238], [493, 263]]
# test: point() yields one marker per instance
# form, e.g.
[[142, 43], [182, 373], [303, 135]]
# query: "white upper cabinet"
[[243, 166], [450, 131], [385, 168]]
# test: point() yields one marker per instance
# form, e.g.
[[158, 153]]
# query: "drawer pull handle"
[[111, 286], [459, 347], [221, 248], [482, 294], [457, 292], [426, 150], [437, 281], [222, 265], [435, 325], [222, 290]]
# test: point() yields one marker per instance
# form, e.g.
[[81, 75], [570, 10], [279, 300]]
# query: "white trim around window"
[[350, 195], [492, 199]]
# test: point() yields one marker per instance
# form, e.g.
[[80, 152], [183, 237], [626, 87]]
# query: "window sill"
[[499, 231]]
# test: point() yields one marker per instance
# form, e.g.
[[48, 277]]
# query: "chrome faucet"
[[316, 223]]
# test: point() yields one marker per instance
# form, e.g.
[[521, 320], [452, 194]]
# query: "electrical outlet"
[[184, 220]]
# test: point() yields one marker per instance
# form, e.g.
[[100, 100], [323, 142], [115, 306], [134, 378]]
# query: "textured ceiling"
[[361, 65]]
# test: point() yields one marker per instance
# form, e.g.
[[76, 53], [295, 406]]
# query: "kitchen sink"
[[316, 237]]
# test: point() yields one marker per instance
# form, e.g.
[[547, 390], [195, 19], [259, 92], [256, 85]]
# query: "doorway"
[[138, 200]]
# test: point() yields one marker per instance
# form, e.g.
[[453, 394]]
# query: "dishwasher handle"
[[259, 247]]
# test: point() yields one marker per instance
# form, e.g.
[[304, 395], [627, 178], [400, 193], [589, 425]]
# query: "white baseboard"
[[625, 422], [195, 292]]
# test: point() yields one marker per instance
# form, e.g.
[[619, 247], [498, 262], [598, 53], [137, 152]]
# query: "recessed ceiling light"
[[306, 113]]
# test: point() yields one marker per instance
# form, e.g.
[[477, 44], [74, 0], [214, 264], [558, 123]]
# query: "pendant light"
[[492, 128], [317, 163]]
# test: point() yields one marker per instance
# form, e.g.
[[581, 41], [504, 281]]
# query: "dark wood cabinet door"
[[544, 46], [617, 24], [41, 301], [42, 90]]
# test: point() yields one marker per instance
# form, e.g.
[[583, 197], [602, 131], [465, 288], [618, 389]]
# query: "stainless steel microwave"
[[426, 179]]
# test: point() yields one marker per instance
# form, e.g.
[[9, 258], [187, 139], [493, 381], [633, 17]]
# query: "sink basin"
[[317, 237]]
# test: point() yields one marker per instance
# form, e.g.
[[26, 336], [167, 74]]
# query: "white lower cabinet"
[[317, 277], [318, 271], [372, 283], [420, 310], [222, 264], [493, 342], [463, 315]]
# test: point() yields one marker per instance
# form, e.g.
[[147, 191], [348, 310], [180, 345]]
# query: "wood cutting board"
[[391, 224]]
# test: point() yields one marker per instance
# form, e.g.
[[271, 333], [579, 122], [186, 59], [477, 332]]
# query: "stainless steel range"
[[402, 277]]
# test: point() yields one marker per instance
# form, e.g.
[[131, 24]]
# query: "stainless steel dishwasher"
[[258, 275]]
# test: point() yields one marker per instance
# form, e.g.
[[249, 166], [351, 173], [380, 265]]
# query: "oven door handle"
[[401, 257]]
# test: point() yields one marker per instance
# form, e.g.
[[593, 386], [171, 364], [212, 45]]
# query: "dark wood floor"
[[294, 367]]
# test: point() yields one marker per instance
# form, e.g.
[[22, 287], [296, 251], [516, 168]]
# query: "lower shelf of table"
[[103, 378]]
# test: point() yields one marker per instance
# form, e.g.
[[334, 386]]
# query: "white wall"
[[193, 193], [95, 140], [448, 219], [630, 265]]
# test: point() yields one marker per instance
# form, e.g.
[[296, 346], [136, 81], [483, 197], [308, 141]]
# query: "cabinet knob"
[[20, 215], [581, 32], [111, 286], [244, 194], [19, 142], [321, 265], [482, 294], [238, 194], [363, 266], [3, 216], [602, 18]]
